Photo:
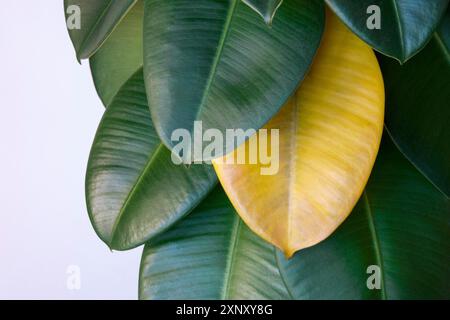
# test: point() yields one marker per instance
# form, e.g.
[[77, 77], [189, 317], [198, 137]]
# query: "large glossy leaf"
[[211, 254], [216, 61], [97, 20], [401, 224], [418, 107], [120, 56], [406, 25], [134, 191], [329, 134], [265, 8]]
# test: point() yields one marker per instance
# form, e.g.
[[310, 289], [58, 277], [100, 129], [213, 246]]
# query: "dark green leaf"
[[401, 224], [211, 254], [97, 20], [134, 190], [216, 61], [265, 8], [406, 25], [120, 56], [418, 107]]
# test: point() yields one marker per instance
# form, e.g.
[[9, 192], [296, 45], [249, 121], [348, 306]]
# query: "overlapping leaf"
[[217, 62], [405, 25], [401, 226], [97, 19], [120, 56], [210, 254], [329, 134], [418, 107], [133, 189]]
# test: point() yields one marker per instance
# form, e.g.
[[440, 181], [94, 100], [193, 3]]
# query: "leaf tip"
[[290, 250], [268, 20], [267, 13], [288, 254]]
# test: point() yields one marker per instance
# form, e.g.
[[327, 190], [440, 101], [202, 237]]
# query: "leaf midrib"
[[91, 31], [217, 57], [292, 172], [442, 44], [133, 191], [400, 29], [94, 27], [376, 243], [282, 274], [231, 257]]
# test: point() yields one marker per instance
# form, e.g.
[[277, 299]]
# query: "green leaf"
[[120, 56], [97, 20], [418, 107], [211, 254], [265, 8], [406, 25], [134, 191], [401, 224], [217, 62]]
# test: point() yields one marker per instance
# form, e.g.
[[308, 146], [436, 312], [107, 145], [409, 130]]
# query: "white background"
[[49, 115]]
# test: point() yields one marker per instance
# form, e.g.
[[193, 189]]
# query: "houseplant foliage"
[[409, 23], [227, 73], [342, 203], [422, 134], [121, 191], [327, 156]]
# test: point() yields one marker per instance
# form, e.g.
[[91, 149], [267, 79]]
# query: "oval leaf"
[[397, 237], [329, 134], [217, 62], [120, 56], [91, 22], [405, 26], [418, 107], [265, 8], [210, 254], [133, 189]]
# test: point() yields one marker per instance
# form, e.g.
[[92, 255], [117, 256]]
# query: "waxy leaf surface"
[[397, 237], [329, 134], [217, 62], [210, 254], [418, 107], [91, 22], [134, 191], [120, 56], [405, 26], [265, 8]]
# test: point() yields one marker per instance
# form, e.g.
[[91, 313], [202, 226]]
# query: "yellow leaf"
[[329, 135]]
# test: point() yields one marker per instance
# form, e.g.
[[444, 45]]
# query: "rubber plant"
[[359, 93]]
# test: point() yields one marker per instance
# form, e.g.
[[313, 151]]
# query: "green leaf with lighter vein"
[[396, 28], [91, 22], [134, 191], [217, 62], [397, 237], [418, 107], [120, 56], [210, 254]]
